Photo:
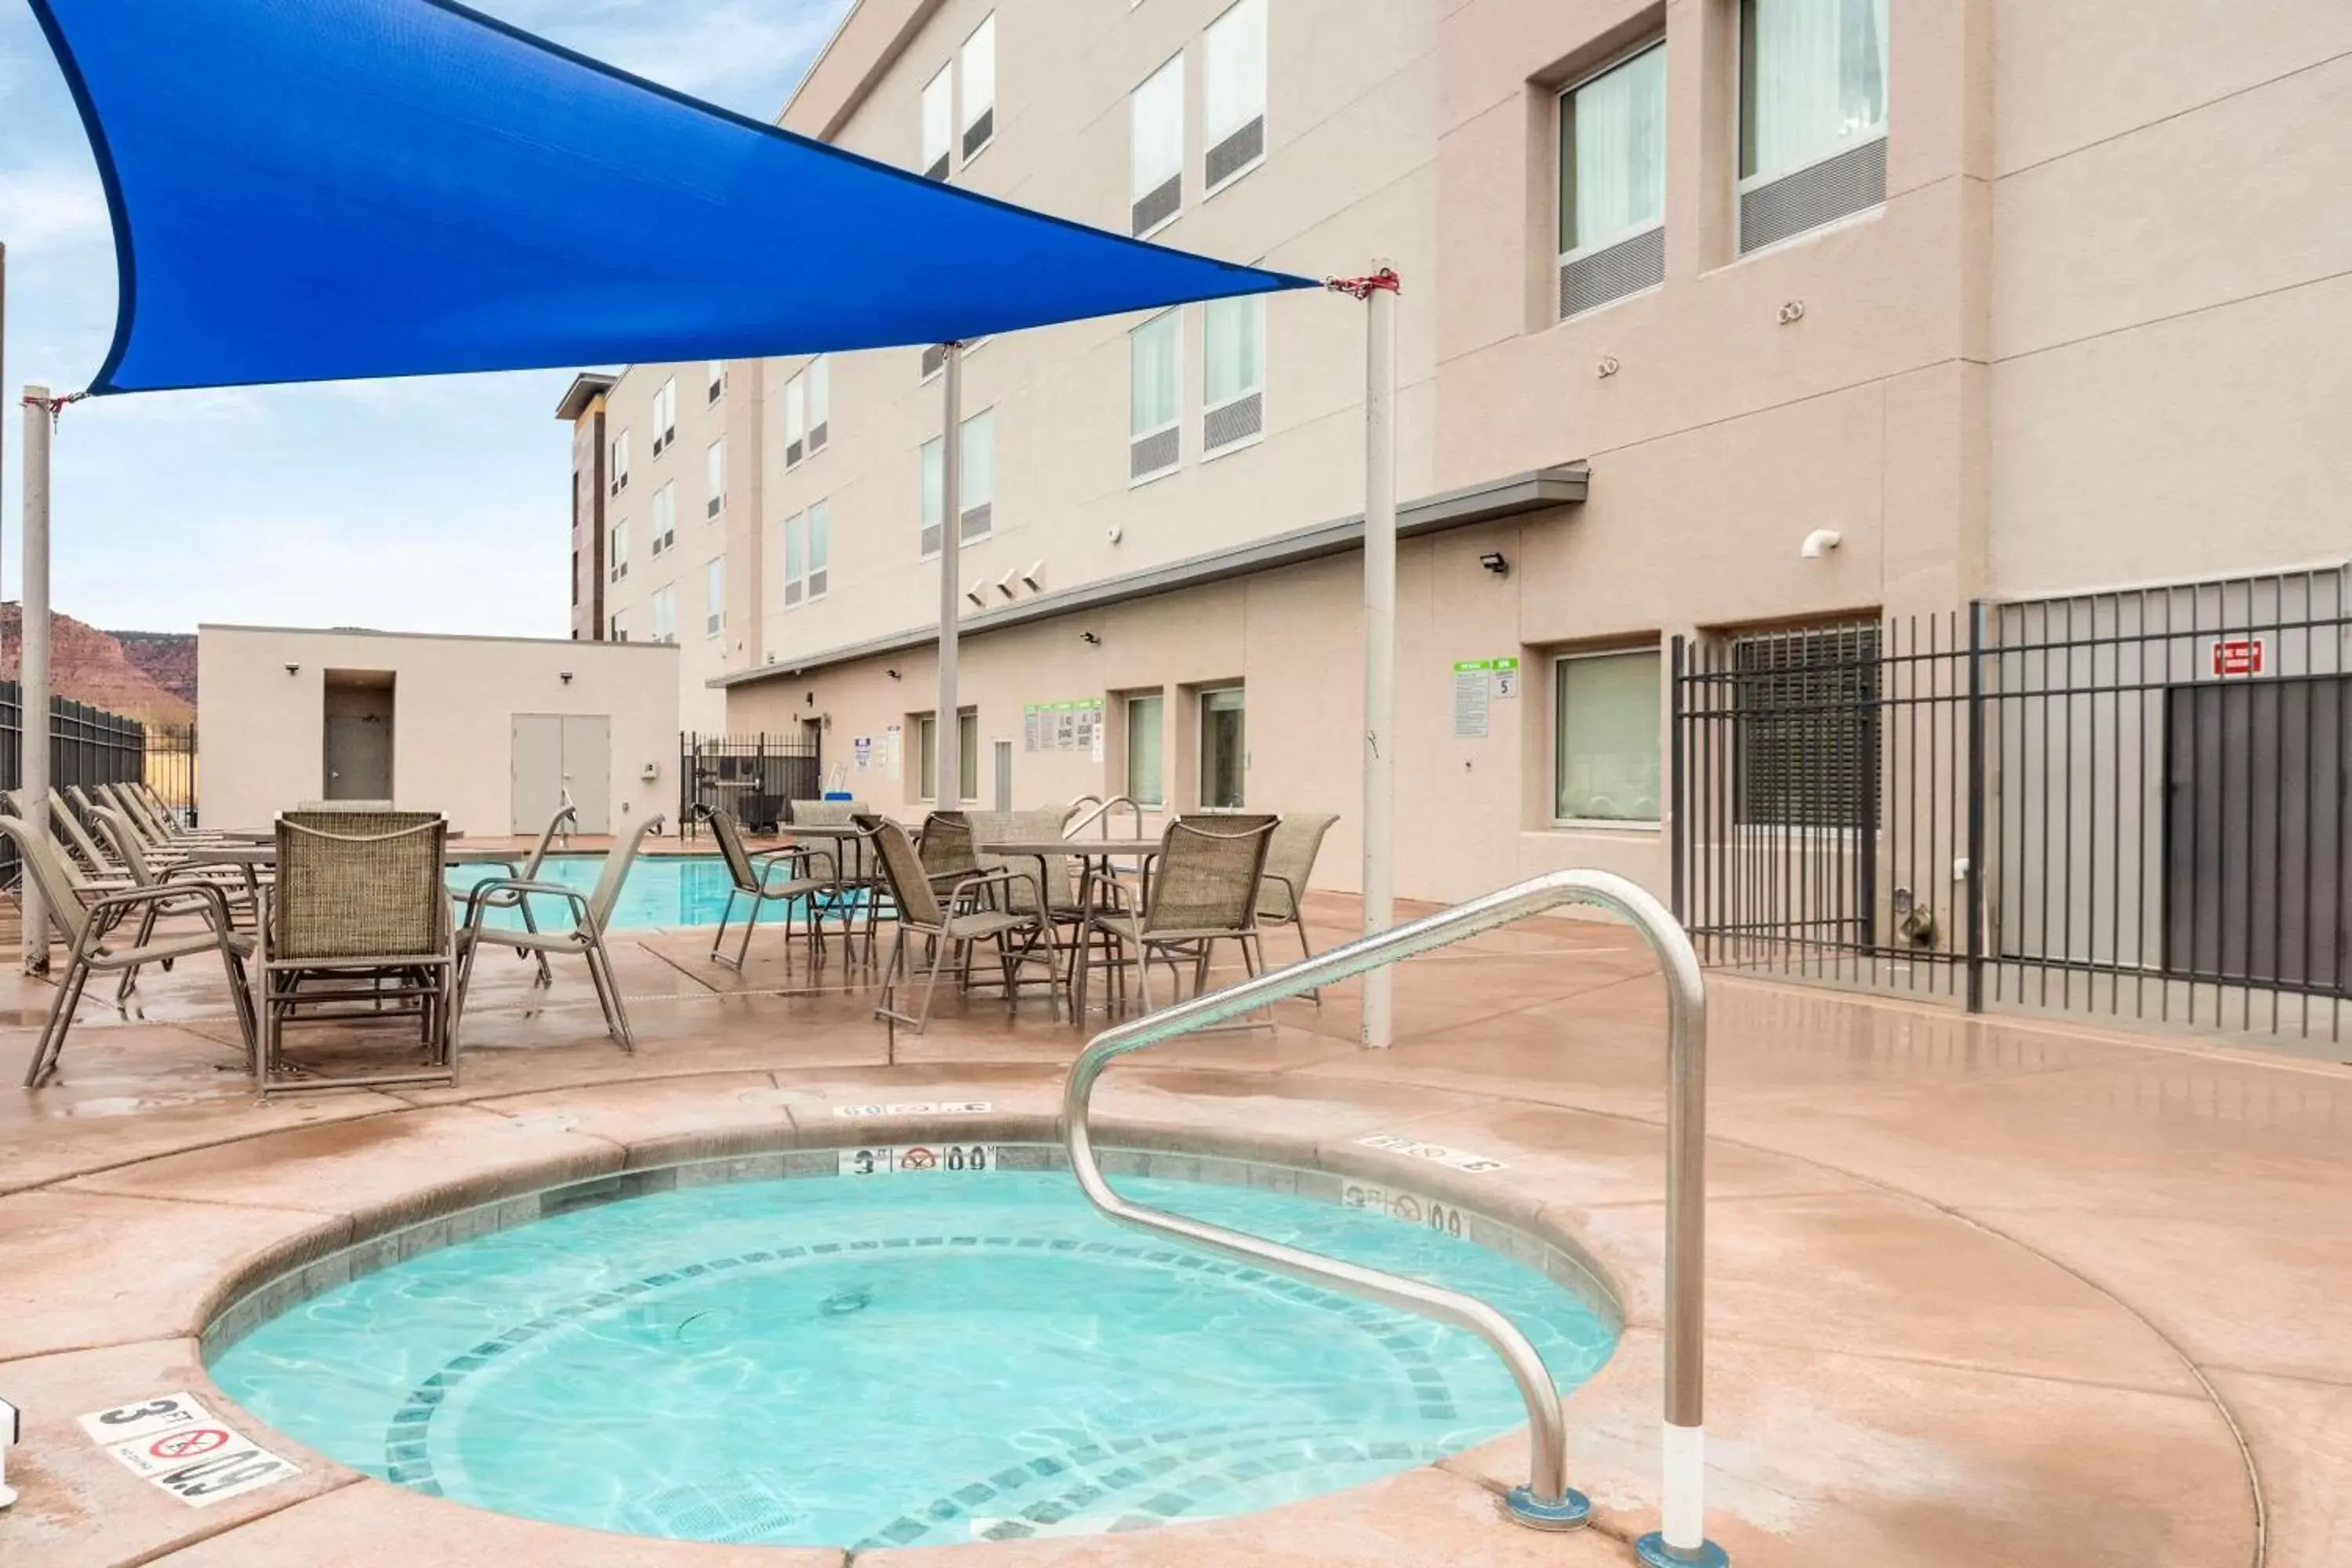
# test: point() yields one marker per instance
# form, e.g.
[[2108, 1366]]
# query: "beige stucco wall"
[[455, 703]]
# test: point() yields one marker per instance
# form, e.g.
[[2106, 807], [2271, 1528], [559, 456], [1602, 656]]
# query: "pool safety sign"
[[1063, 726], [1477, 684], [920, 1159], [178, 1446]]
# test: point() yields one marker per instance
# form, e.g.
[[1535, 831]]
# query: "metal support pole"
[[33, 751], [948, 727], [1975, 880], [1378, 1027]]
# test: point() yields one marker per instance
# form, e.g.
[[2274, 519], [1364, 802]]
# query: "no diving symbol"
[[917, 1160], [187, 1445]]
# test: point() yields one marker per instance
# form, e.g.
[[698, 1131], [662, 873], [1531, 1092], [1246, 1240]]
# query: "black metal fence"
[[171, 767], [2133, 804], [87, 746], [756, 777]]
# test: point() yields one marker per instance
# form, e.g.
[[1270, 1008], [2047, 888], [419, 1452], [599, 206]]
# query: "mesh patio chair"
[[809, 875], [87, 920], [1060, 886], [357, 930], [84, 860], [857, 893], [955, 921], [1203, 890], [157, 826], [241, 901], [591, 914], [1289, 862], [560, 826]]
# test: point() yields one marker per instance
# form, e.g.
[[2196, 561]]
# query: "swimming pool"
[[662, 891], [914, 1358]]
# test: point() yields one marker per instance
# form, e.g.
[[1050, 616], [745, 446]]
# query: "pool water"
[[912, 1358], [661, 892]]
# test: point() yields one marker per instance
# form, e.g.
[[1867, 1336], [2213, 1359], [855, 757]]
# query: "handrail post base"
[[1653, 1550], [1572, 1511]]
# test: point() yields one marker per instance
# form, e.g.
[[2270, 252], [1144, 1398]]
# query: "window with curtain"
[[967, 753], [714, 378], [1233, 93], [795, 418], [1156, 148], [664, 416], [795, 557], [1232, 369], [1605, 737], [820, 403], [1145, 733], [934, 495], [1154, 382], [666, 614], [1224, 757], [620, 462], [620, 632], [819, 546], [1812, 80], [617, 557], [980, 87], [927, 731], [939, 123], [1612, 153], [714, 596], [714, 477], [979, 477]]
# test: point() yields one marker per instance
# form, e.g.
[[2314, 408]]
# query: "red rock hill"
[[150, 676]]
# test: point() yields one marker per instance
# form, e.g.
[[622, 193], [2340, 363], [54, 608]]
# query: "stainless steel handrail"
[[1102, 808], [1545, 1502]]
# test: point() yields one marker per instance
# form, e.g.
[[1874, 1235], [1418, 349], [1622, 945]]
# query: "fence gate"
[[756, 777], [2134, 804]]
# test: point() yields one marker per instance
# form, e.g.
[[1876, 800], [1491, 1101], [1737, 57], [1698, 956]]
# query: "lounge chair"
[[243, 903], [753, 876], [87, 921], [357, 930], [1289, 862], [954, 923], [1203, 889], [590, 915]]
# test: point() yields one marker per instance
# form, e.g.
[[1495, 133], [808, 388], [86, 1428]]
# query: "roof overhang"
[[1517, 495], [586, 389]]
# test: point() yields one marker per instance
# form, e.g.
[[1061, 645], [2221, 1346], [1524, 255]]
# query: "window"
[[1233, 93], [979, 483], [1154, 377], [939, 123], [1232, 372], [1613, 183], [1144, 732], [620, 632], [666, 614], [664, 416], [575, 583], [805, 546], [714, 477], [1605, 737], [1813, 114], [1807, 705], [967, 753], [980, 87], [714, 373], [662, 526], [714, 596], [618, 555], [1156, 148], [820, 399], [1223, 753], [620, 462], [795, 419]]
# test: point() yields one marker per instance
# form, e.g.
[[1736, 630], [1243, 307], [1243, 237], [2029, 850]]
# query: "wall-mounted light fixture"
[[1495, 561], [1090, 639], [565, 675], [808, 698], [293, 669], [891, 673]]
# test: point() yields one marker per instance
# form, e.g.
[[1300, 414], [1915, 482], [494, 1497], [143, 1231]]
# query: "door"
[[1004, 775], [588, 769], [358, 714], [558, 757]]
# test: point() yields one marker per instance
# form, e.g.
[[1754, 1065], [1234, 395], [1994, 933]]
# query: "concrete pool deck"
[[1980, 1291]]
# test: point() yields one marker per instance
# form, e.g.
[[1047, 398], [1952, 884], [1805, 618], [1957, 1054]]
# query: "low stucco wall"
[[264, 730]]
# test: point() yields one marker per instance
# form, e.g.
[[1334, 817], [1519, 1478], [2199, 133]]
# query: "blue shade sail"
[[314, 189]]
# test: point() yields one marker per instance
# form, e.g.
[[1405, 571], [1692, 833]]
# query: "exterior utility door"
[[561, 756]]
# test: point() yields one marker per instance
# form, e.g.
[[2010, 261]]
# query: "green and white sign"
[[1477, 684]]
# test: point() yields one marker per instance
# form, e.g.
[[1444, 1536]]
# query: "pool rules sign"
[[175, 1445]]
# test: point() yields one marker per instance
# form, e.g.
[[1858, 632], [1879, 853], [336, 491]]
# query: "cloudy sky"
[[434, 504]]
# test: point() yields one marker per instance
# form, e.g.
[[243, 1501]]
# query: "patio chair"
[[954, 922], [357, 930], [90, 866], [87, 920], [753, 876], [1289, 862], [243, 903], [1060, 887], [1203, 890], [857, 892], [560, 826], [161, 826], [591, 913]]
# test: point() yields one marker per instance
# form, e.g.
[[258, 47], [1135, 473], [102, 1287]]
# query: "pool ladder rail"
[[1073, 824], [1545, 1502]]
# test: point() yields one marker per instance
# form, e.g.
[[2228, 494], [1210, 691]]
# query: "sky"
[[432, 504]]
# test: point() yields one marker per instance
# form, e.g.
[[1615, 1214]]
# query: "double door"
[[559, 757]]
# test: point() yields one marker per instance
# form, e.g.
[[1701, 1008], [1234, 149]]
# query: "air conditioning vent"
[[976, 134], [1854, 181], [817, 584], [791, 453], [930, 543], [668, 538], [1236, 152], [978, 521], [1234, 421], [1626, 268], [791, 592], [1152, 454], [711, 508], [715, 388], [816, 438], [710, 625], [1158, 206], [934, 357], [938, 170]]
